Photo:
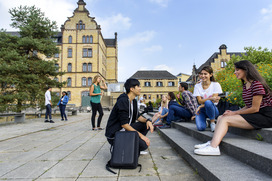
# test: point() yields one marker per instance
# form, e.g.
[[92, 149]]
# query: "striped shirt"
[[255, 89]]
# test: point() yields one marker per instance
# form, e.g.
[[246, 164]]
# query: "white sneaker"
[[143, 152], [212, 126], [208, 150], [202, 145]]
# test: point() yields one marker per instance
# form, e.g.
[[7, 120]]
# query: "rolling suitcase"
[[125, 152]]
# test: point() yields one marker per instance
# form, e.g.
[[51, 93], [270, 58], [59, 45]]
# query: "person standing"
[[48, 105], [206, 93], [95, 93], [62, 105]]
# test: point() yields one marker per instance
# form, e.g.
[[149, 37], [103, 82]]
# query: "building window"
[[83, 39], [84, 81], [171, 84], [89, 67], [69, 82], [70, 52], [70, 39], [223, 64], [69, 95], [90, 81], [80, 25], [179, 79], [87, 39], [56, 79], [149, 96], [159, 84], [69, 69], [87, 52], [147, 84], [84, 67], [56, 55], [57, 67], [91, 39], [85, 93]]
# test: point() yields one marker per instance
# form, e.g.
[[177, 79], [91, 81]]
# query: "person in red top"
[[256, 114]]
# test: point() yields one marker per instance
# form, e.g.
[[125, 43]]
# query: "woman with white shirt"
[[206, 93]]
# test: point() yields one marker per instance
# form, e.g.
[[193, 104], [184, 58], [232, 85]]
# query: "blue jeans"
[[177, 112], [48, 112], [209, 111], [164, 111], [62, 111]]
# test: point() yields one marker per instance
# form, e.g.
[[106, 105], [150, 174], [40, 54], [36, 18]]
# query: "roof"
[[110, 42], [153, 74], [180, 74]]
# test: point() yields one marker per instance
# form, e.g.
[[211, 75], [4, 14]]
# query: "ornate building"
[[84, 53]]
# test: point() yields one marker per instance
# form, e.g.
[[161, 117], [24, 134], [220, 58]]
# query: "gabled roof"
[[153, 74]]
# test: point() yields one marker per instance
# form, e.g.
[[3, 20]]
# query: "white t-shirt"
[[47, 97], [214, 88]]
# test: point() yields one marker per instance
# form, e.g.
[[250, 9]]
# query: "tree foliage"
[[24, 73], [262, 58]]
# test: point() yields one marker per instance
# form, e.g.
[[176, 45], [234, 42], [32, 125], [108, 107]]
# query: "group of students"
[[200, 105]]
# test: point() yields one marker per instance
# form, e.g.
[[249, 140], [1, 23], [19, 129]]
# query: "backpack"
[[125, 151]]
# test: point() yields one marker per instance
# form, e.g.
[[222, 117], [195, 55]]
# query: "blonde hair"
[[95, 79], [164, 104]]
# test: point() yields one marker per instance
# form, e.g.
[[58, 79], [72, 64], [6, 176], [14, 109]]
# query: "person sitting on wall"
[[125, 113]]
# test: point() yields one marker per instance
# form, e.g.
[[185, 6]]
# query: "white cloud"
[[163, 67], [51, 8], [142, 37], [116, 23], [162, 3], [154, 48], [267, 13]]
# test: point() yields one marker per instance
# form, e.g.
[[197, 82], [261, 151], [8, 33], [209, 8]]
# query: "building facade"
[[217, 61], [84, 53], [182, 77], [155, 83]]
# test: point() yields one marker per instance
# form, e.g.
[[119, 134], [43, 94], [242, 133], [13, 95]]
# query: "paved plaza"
[[70, 151]]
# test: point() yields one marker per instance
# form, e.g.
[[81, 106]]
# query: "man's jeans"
[[177, 112], [48, 112], [209, 111]]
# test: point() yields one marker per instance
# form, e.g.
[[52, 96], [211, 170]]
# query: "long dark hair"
[[172, 95], [210, 71], [252, 74]]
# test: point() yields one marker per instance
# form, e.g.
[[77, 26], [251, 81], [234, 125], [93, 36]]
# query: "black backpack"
[[125, 151]]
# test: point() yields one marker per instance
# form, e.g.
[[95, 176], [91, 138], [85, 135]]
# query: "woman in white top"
[[206, 93]]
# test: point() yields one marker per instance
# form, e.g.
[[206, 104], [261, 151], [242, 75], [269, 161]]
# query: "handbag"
[[125, 151]]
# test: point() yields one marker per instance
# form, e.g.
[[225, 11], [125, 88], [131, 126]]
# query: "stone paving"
[[68, 151]]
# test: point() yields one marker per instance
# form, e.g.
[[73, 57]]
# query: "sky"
[[168, 35]]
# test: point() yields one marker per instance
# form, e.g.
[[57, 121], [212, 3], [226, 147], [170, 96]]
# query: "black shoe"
[[62, 119], [46, 121], [51, 121]]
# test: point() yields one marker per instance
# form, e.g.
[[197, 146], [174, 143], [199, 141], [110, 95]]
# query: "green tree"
[[262, 58], [24, 73]]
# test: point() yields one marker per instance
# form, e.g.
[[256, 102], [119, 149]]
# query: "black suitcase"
[[125, 152]]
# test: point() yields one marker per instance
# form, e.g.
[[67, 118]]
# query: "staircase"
[[243, 156]]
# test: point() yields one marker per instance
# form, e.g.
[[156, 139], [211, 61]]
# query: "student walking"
[[256, 114], [206, 93], [48, 105], [95, 93], [62, 105]]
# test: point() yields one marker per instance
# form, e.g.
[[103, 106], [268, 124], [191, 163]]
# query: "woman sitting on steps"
[[256, 114]]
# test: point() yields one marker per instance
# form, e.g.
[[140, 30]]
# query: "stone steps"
[[183, 136]]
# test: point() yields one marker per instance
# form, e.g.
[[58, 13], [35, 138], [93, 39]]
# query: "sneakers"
[[202, 145], [51, 121], [208, 150], [46, 121], [143, 152], [165, 126], [212, 126]]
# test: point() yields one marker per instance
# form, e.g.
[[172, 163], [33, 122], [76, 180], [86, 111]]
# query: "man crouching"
[[125, 113]]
